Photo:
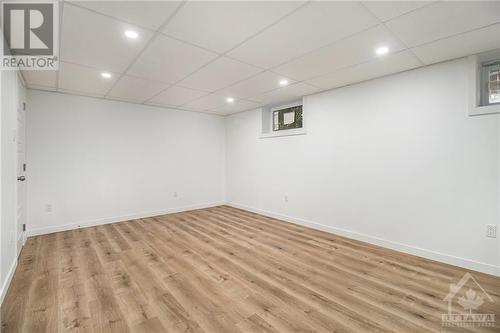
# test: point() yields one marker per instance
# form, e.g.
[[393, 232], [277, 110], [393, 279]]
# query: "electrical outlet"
[[175, 195], [48, 208], [286, 198], [491, 231]]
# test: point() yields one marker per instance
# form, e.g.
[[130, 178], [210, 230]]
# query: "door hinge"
[[24, 106], [24, 167], [24, 226]]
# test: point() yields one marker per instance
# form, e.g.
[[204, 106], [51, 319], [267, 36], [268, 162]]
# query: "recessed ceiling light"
[[283, 82], [382, 50], [229, 99], [106, 75], [131, 34]]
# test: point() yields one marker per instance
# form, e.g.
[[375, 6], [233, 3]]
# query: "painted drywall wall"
[[11, 89], [92, 161], [394, 161]]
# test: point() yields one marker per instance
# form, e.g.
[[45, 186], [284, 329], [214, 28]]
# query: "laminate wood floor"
[[226, 270]]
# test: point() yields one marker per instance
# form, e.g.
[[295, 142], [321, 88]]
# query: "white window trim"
[[474, 93], [288, 132]]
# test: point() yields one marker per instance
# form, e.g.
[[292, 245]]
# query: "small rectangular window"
[[490, 85], [288, 118]]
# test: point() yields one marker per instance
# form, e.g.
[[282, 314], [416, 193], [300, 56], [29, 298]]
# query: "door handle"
[[21, 178]]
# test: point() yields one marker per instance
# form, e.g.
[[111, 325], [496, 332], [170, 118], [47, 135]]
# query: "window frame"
[[476, 105], [485, 81]]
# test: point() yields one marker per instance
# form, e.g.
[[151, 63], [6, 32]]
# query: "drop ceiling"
[[193, 55]]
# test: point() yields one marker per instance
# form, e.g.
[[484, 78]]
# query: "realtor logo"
[[469, 301], [30, 31]]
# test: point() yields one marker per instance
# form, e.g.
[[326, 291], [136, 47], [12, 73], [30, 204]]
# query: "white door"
[[21, 167]]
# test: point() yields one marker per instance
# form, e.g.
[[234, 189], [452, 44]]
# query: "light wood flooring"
[[226, 270]]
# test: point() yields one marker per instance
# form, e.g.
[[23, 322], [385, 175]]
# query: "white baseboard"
[[8, 279], [429, 254], [20, 243], [107, 220]]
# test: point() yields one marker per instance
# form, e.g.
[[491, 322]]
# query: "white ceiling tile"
[[393, 63], [219, 74], [237, 106], [98, 41], [40, 78], [315, 25], [386, 10], [472, 42], [169, 60], [444, 19], [220, 25], [255, 85], [136, 89], [205, 103], [84, 80], [294, 91], [176, 96], [148, 14], [346, 52]]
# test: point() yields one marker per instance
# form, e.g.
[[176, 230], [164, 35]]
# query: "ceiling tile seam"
[[432, 3], [273, 68], [87, 66], [267, 27], [434, 40], [84, 94], [240, 81], [455, 35], [219, 105], [279, 19], [372, 60], [393, 33], [249, 98], [61, 18], [224, 54], [148, 43], [114, 18]]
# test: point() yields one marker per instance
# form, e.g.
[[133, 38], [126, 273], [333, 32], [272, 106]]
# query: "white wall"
[[8, 166], [97, 161], [393, 161]]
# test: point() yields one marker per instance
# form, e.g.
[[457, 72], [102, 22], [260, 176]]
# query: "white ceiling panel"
[[256, 85], [288, 93], [346, 52], [169, 60], [40, 78], [444, 19], [135, 89], [175, 96], [147, 14], [237, 106], [221, 25], [315, 25], [98, 41], [472, 42], [219, 74], [394, 63], [206, 103], [83, 79], [386, 10]]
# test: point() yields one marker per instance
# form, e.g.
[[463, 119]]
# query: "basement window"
[[490, 83], [484, 83], [288, 118], [284, 120]]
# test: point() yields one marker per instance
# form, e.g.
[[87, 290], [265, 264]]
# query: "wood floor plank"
[[222, 269]]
